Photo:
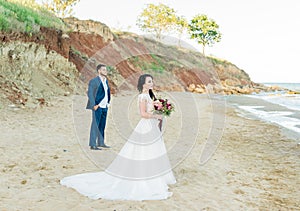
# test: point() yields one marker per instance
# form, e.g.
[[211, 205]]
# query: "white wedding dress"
[[141, 170]]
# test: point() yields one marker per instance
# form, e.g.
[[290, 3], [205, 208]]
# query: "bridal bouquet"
[[163, 106]]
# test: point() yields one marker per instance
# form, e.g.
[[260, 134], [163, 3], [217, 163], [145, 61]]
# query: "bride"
[[141, 170]]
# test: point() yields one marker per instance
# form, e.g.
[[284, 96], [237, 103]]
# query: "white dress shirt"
[[104, 101]]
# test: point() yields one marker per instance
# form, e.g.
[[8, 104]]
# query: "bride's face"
[[148, 84]]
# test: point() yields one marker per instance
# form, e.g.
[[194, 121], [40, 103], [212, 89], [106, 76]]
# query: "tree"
[[181, 27], [204, 30], [157, 19], [61, 8]]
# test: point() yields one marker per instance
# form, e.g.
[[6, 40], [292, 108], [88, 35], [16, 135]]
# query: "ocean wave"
[[282, 118], [286, 100]]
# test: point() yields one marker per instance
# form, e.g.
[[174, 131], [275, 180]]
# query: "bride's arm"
[[145, 114]]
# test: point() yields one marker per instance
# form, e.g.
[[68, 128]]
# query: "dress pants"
[[98, 127]]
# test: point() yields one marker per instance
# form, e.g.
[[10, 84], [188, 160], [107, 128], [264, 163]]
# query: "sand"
[[221, 161]]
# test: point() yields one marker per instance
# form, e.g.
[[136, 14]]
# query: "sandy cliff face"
[[90, 27], [30, 74], [50, 62]]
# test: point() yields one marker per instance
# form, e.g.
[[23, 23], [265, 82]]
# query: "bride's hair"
[[141, 82]]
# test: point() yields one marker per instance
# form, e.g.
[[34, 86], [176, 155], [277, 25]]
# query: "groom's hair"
[[99, 66]]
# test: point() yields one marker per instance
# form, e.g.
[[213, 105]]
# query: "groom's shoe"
[[95, 148], [104, 146]]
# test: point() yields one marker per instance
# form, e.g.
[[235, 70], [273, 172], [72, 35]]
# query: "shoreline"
[[236, 102], [255, 166]]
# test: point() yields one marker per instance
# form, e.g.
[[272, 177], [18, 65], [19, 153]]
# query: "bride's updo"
[[141, 82]]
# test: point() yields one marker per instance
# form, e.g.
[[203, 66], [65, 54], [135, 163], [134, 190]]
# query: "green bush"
[[20, 18], [4, 24]]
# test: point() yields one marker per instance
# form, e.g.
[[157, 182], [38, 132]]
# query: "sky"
[[262, 37]]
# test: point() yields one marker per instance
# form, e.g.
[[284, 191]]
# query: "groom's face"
[[102, 71]]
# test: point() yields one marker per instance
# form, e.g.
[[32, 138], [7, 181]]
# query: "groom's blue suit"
[[96, 94]]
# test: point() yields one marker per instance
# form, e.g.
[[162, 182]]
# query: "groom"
[[98, 101]]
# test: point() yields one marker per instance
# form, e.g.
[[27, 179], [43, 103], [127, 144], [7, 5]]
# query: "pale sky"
[[262, 37]]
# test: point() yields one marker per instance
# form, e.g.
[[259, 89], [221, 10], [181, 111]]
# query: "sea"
[[278, 107]]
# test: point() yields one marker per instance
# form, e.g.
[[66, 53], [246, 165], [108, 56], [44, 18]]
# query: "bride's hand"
[[159, 116]]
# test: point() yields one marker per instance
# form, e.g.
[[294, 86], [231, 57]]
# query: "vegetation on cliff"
[[16, 17]]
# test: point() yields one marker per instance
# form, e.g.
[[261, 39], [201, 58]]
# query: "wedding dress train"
[[141, 170]]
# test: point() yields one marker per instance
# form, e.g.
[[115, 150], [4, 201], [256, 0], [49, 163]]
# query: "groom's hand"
[[95, 107]]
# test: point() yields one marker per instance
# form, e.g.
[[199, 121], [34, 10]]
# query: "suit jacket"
[[96, 92]]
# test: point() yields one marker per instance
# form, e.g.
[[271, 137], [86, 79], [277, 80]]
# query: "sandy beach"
[[255, 166]]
